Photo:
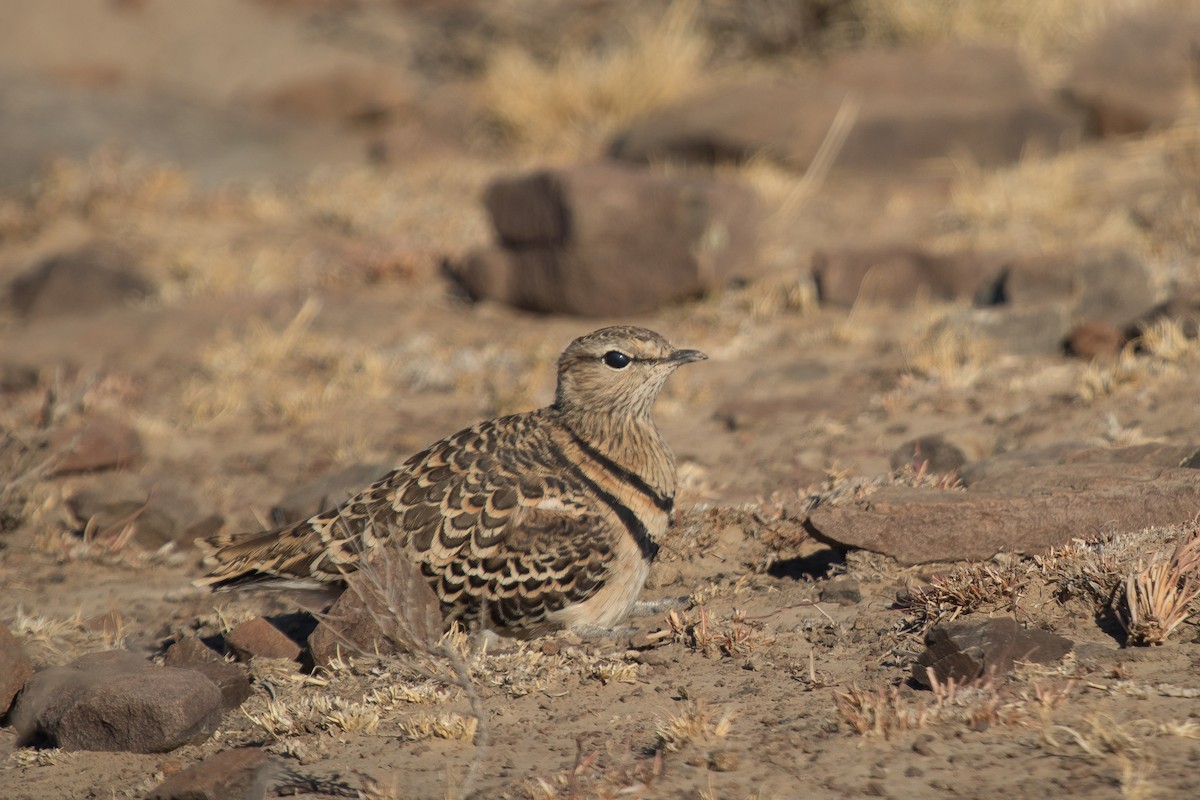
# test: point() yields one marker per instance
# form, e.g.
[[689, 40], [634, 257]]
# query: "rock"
[[606, 240], [1023, 511], [232, 680], [259, 638], [1094, 340], [18, 377], [116, 701], [899, 277], [83, 281], [98, 444], [928, 454], [241, 774], [325, 492], [1101, 286], [361, 97], [992, 471], [159, 512], [392, 590], [1139, 72], [967, 649], [15, 668], [841, 590], [913, 105]]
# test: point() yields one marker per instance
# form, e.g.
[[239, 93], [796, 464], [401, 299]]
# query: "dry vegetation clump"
[[978, 704], [572, 105], [974, 588], [1160, 596], [711, 636], [1150, 595], [1163, 348], [697, 723]]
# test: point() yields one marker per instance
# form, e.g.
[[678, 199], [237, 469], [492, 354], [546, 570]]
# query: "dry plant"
[[602, 772], [1041, 29], [947, 354], [576, 102], [1160, 596], [1160, 349], [881, 711], [710, 636], [696, 723], [284, 376], [975, 587]]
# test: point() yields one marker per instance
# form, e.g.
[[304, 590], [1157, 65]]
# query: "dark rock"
[[258, 637], [967, 649], [15, 668], [1101, 286], [1024, 511], [1139, 72], [841, 590], [386, 609], [18, 377], [1094, 340], [116, 701], [603, 240], [241, 774], [899, 277], [325, 492], [96, 445], [913, 106], [1025, 331], [84, 281], [232, 680], [928, 454], [159, 512]]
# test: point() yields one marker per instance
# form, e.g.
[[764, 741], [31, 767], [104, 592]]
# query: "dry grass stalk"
[[1159, 597], [879, 712]]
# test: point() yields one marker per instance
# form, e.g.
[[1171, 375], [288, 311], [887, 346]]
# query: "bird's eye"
[[616, 359]]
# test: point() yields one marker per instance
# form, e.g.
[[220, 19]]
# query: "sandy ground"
[[302, 325]]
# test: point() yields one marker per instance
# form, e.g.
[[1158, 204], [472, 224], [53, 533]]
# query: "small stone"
[[15, 668], [258, 637], [722, 761], [842, 590], [550, 647], [116, 701], [241, 774], [99, 444]]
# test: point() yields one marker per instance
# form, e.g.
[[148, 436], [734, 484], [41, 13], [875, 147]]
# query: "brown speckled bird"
[[547, 519]]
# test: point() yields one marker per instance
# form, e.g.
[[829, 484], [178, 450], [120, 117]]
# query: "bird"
[[538, 521]]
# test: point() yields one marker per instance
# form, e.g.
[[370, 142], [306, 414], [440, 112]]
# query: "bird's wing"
[[488, 522]]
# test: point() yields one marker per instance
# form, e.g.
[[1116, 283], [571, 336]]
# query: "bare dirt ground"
[[300, 324]]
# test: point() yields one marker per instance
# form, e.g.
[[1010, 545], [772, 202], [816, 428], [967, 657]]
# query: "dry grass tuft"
[[1162, 349], [452, 726], [975, 587], [705, 634], [572, 105], [283, 376], [1160, 596], [697, 723]]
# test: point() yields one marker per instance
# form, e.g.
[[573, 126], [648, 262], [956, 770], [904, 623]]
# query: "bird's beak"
[[686, 356]]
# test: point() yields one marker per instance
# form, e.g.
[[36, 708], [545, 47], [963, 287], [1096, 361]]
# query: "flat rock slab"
[[116, 701], [1025, 511], [241, 774], [970, 649]]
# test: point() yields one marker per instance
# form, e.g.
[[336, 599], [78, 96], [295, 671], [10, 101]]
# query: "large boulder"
[[912, 105], [608, 240], [116, 701]]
